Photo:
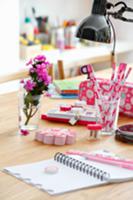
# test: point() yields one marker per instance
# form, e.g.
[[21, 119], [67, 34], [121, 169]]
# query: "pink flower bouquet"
[[35, 86]]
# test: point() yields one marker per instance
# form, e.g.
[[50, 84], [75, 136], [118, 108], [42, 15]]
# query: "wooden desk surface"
[[15, 149]]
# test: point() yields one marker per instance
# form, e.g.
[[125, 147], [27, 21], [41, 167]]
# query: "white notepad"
[[69, 178]]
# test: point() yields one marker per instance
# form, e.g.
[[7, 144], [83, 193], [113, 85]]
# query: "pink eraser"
[[71, 138], [39, 136], [60, 139], [48, 138], [51, 169]]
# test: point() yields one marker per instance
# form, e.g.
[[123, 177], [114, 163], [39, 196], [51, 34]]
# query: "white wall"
[[124, 31], [9, 35], [64, 9]]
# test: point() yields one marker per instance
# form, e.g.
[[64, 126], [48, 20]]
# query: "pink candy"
[[56, 136]]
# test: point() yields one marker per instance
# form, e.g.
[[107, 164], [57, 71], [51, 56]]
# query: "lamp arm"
[[119, 14], [125, 19], [114, 41]]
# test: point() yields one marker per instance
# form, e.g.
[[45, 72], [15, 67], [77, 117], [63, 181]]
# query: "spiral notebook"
[[74, 173]]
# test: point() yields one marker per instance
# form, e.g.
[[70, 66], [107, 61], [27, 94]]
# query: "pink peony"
[[30, 62], [22, 81], [48, 81], [32, 70], [41, 69], [40, 58], [29, 85], [24, 132]]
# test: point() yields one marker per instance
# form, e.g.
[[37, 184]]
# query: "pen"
[[128, 164], [110, 162], [116, 159]]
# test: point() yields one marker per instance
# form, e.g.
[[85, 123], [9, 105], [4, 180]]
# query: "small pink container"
[[71, 138], [56, 136], [39, 136], [60, 139], [48, 138]]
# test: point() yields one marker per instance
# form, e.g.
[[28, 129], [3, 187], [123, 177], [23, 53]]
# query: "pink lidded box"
[[87, 88]]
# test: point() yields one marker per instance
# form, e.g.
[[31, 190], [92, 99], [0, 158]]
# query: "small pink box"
[[60, 139], [71, 138], [56, 136], [48, 138], [39, 136]]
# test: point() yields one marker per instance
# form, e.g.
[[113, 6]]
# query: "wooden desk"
[[16, 150]]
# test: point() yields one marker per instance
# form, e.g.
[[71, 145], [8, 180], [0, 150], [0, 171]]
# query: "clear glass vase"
[[29, 110]]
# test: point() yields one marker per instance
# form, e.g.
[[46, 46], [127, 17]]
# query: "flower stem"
[[30, 115]]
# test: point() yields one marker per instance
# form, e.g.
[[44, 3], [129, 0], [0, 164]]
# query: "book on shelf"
[[74, 173], [66, 87]]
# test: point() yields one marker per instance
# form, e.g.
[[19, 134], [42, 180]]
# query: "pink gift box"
[[86, 92]]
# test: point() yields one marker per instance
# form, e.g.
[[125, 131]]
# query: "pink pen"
[[115, 159], [128, 164], [110, 162]]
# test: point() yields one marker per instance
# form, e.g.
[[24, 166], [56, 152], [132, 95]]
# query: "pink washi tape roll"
[[39, 136], [60, 139]]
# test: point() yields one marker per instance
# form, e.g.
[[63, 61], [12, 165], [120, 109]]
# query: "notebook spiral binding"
[[81, 166]]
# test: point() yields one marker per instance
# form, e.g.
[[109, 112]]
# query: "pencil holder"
[[107, 114]]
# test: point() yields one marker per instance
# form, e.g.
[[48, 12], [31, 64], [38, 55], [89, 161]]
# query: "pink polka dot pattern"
[[87, 93]]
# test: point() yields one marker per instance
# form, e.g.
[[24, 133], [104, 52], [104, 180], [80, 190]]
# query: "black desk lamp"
[[97, 27]]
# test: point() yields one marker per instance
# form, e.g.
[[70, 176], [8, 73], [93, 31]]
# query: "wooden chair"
[[60, 69]]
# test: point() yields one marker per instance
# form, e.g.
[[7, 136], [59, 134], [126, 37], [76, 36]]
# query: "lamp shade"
[[95, 27]]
